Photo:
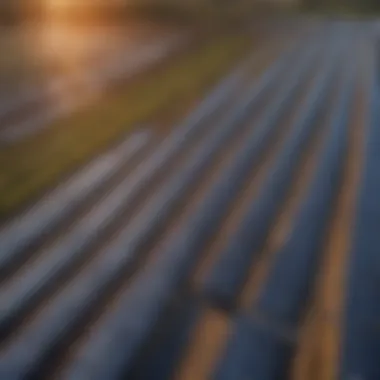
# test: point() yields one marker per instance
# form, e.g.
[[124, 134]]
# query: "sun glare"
[[57, 5]]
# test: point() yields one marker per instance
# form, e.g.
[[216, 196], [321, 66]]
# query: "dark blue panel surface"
[[254, 352], [287, 287], [233, 265], [361, 340]]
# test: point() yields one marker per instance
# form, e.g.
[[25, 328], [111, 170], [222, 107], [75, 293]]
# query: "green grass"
[[34, 165], [16, 65]]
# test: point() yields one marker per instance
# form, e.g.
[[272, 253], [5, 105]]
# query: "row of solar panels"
[[103, 291]]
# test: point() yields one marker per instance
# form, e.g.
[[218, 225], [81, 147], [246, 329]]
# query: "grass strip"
[[37, 163]]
